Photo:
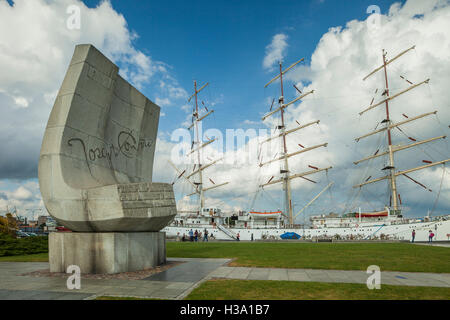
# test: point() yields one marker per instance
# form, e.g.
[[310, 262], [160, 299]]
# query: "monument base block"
[[106, 252]]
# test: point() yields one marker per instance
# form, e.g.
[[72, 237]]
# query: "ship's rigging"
[[196, 178], [395, 198], [286, 175]]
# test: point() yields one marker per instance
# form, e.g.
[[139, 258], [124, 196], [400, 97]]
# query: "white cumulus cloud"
[[275, 51]]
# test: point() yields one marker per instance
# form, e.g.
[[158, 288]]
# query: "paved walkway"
[[343, 276], [178, 281], [174, 283]]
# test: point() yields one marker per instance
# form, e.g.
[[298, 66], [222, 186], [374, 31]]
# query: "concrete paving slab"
[[409, 282], [120, 291], [17, 294], [120, 283], [259, 274], [414, 279], [318, 275], [148, 292], [298, 275], [39, 295], [29, 285], [168, 293], [278, 274], [191, 271], [358, 276], [50, 295], [92, 289], [221, 272], [388, 279], [71, 296], [339, 276], [239, 273], [441, 277], [180, 285], [10, 283]]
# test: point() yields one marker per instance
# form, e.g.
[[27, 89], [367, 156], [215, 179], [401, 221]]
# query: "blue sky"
[[223, 42]]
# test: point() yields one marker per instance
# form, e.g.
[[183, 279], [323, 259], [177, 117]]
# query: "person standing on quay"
[[205, 236], [191, 235], [413, 235], [196, 235]]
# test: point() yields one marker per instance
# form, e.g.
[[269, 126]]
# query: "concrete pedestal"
[[106, 252]]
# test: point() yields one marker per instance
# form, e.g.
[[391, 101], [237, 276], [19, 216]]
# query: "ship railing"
[[352, 237], [191, 225]]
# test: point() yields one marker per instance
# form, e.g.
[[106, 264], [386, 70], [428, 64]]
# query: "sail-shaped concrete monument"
[[95, 171]]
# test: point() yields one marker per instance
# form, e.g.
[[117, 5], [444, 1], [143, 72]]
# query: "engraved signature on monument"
[[127, 145]]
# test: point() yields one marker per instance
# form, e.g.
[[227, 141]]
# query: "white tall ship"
[[385, 224]]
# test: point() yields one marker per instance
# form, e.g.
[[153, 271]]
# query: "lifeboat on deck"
[[376, 214], [265, 215]]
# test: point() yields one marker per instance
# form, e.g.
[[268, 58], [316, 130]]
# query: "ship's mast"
[[286, 177], [197, 146], [196, 123], [391, 153], [286, 182], [391, 149]]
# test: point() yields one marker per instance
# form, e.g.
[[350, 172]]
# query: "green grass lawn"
[[10, 246], [341, 256], [38, 257], [290, 290]]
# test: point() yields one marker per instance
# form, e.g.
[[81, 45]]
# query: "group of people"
[[430, 236], [195, 235]]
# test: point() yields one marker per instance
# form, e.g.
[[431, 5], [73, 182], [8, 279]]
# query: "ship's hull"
[[441, 230]]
